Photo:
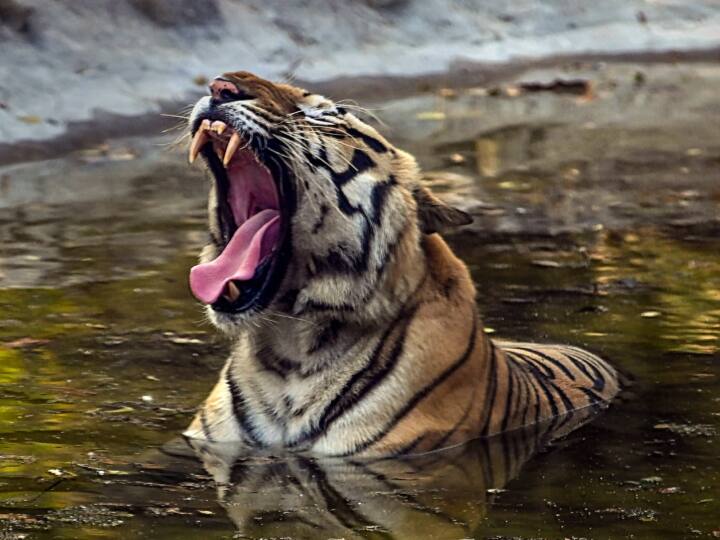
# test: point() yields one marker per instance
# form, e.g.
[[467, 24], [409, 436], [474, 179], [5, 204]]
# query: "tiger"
[[355, 329]]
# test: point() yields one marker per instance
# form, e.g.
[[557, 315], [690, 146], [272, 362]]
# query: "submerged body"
[[356, 328]]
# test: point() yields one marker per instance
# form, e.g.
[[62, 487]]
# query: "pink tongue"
[[250, 244]]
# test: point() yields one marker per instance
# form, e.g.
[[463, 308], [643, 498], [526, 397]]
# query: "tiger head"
[[312, 213]]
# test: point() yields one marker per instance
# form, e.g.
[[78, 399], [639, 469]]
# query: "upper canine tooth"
[[197, 143], [231, 148]]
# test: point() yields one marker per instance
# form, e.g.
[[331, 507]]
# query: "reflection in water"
[[439, 495], [486, 152], [502, 150]]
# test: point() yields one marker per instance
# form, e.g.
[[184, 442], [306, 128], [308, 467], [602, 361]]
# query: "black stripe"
[[419, 396], [326, 337], [379, 196], [506, 453], [205, 426], [541, 380], [580, 363], [486, 463], [521, 397], [408, 448], [339, 506], [324, 209], [288, 298], [238, 407], [320, 162], [532, 363], [550, 359], [546, 384], [342, 260], [360, 163], [515, 453], [593, 397], [569, 405], [265, 115], [322, 306], [523, 375], [597, 363], [370, 292], [397, 491], [272, 362], [365, 379], [600, 364], [372, 142], [267, 408], [536, 396], [445, 438], [493, 382], [508, 399]]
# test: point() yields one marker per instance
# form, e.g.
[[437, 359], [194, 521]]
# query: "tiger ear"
[[434, 215]]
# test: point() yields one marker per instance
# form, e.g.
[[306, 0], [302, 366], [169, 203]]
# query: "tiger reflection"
[[442, 494]]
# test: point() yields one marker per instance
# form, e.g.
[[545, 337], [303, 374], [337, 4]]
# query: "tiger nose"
[[217, 87]]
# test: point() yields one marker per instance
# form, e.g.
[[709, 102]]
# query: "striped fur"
[[372, 344]]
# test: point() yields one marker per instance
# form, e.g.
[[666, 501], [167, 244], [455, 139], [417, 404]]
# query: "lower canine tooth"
[[231, 148], [233, 293]]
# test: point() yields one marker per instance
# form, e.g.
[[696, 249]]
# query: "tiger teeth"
[[198, 141], [232, 147], [233, 293], [202, 137], [218, 127]]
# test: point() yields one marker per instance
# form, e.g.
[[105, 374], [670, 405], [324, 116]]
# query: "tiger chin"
[[355, 327]]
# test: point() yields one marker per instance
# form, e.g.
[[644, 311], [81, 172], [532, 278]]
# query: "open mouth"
[[247, 271]]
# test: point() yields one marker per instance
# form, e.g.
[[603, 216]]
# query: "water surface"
[[597, 225]]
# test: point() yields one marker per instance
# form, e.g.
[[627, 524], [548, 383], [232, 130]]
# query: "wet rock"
[[88, 516], [640, 514], [384, 4], [171, 13], [688, 430], [178, 340], [546, 264], [15, 17], [25, 343], [559, 86]]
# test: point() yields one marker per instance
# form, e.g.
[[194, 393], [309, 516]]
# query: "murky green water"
[[604, 236]]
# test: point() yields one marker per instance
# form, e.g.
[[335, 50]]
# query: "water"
[[597, 225]]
